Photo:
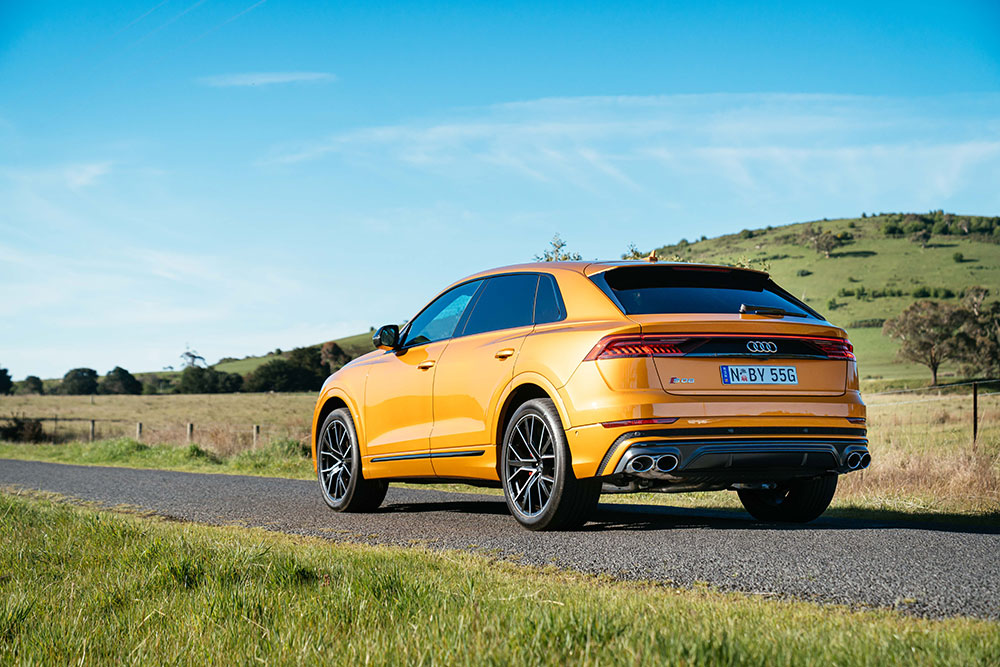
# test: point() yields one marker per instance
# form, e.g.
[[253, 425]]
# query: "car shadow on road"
[[636, 517], [659, 517]]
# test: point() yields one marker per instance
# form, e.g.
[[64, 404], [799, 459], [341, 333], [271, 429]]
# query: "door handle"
[[504, 353], [426, 365]]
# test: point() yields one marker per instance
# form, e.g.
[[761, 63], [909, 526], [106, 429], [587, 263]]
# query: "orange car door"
[[472, 373], [398, 391]]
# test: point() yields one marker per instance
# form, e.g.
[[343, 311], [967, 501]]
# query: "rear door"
[[472, 373]]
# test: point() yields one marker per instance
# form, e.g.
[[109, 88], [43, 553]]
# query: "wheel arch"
[[334, 400], [523, 388]]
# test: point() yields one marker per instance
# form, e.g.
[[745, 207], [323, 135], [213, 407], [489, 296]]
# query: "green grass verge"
[[82, 585], [279, 458]]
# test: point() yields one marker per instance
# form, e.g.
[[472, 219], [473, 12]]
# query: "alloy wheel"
[[336, 460], [530, 465]]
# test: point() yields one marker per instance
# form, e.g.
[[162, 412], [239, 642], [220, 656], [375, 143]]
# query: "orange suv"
[[561, 381]]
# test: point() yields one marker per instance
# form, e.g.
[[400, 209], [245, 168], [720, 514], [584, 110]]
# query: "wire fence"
[[221, 437]]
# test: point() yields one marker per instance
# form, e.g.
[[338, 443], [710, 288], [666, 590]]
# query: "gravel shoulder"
[[932, 570]]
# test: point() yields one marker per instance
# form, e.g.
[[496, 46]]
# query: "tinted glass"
[[547, 303], [662, 289], [438, 320], [505, 302]]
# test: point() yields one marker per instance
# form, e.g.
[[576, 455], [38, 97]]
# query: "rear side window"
[[649, 290], [504, 303], [548, 305]]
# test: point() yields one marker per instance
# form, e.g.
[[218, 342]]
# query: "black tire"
[[799, 501], [338, 468], [525, 469]]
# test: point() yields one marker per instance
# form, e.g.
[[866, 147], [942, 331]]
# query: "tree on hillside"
[[820, 241], [79, 381], [557, 252], [200, 380], [921, 236], [119, 381], [32, 385], [978, 339], [927, 332], [5, 382], [633, 253], [281, 375], [191, 357], [333, 356]]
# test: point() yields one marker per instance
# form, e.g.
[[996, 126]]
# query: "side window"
[[548, 305], [438, 320], [505, 302]]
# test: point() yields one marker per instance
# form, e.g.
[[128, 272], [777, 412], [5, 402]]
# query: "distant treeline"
[[302, 369], [938, 222]]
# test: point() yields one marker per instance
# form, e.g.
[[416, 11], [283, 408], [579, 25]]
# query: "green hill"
[[872, 262], [878, 258]]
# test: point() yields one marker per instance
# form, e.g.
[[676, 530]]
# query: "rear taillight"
[[835, 348], [623, 347]]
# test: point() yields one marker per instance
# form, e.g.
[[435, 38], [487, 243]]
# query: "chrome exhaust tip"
[[854, 460], [866, 460], [640, 464], [666, 463]]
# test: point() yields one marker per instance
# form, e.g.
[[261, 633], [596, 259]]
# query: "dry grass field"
[[923, 457]]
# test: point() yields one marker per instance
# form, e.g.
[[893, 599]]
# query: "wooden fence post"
[[55, 427], [92, 429], [138, 431], [190, 432], [975, 413], [256, 435]]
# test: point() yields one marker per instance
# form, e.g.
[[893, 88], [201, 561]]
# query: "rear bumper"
[[721, 461]]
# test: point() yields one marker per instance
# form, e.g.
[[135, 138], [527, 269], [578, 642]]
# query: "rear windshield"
[[649, 290]]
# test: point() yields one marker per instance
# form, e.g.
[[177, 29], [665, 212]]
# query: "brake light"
[[835, 348], [623, 347]]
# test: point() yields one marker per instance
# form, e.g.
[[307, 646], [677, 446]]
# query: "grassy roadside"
[[79, 584], [290, 459]]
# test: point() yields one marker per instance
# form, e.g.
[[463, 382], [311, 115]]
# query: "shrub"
[[958, 257], [18, 428], [832, 304], [120, 381], [870, 323], [282, 375], [79, 381], [746, 234], [32, 385], [804, 272], [198, 380], [892, 229], [5, 382]]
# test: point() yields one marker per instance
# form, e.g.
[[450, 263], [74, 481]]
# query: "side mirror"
[[386, 338]]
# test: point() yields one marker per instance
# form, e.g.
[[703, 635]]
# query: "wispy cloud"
[[264, 78], [747, 145]]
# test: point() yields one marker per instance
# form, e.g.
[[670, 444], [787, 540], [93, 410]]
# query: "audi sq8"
[[561, 381]]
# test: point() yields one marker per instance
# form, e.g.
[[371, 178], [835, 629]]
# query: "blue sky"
[[239, 176]]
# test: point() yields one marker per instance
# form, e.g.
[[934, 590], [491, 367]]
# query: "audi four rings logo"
[[762, 346]]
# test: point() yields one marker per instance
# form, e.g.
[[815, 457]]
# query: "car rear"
[[724, 380]]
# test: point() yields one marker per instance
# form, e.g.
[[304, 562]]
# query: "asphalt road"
[[926, 570]]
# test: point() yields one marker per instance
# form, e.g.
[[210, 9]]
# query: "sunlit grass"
[[85, 586]]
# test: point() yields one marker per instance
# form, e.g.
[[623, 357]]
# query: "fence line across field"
[[189, 427], [255, 429], [937, 387]]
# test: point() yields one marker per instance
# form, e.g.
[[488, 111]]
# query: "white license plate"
[[759, 375]]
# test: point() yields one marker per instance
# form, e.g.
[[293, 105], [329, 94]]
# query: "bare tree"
[[557, 252]]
